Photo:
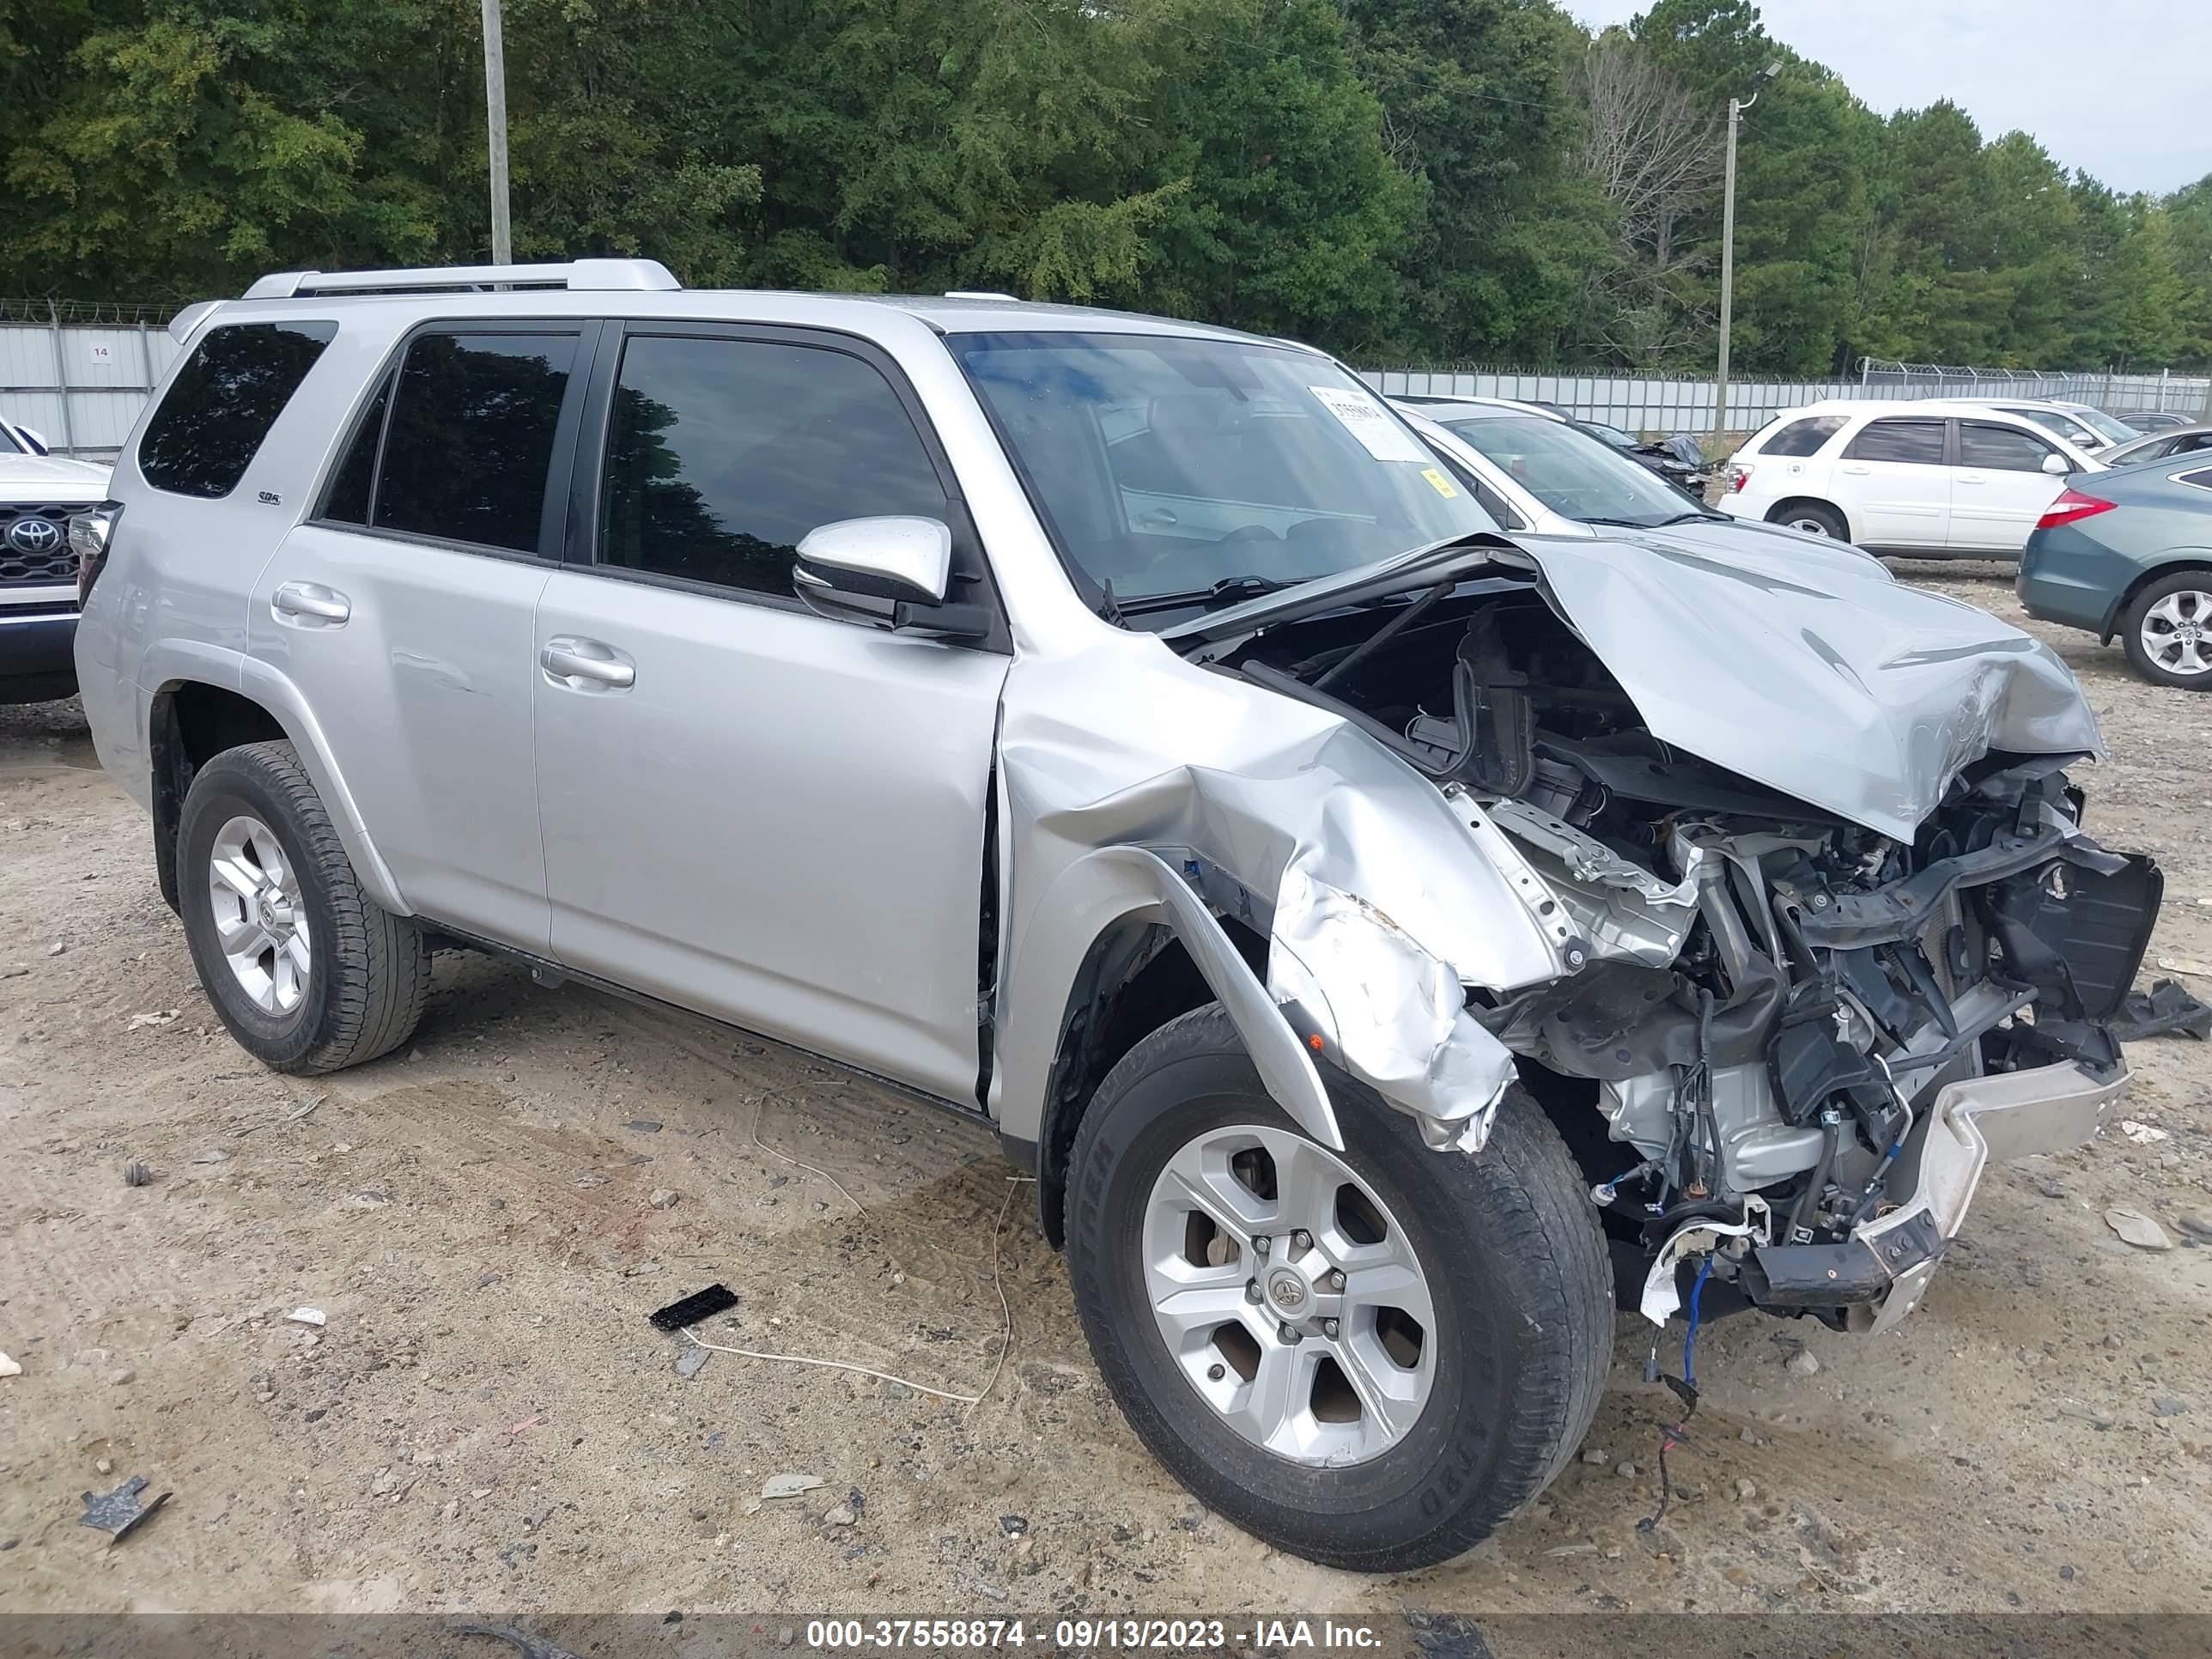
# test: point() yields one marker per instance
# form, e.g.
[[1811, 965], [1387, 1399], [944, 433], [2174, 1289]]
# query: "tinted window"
[[223, 402], [1920, 442], [349, 499], [2202, 479], [2006, 448], [722, 454], [1803, 437], [471, 436]]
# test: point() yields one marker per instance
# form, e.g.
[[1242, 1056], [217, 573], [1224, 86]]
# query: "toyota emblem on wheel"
[[36, 536]]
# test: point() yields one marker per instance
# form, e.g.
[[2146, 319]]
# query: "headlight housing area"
[[90, 533]]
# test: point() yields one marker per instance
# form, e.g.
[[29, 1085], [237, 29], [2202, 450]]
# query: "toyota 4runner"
[[1392, 935]]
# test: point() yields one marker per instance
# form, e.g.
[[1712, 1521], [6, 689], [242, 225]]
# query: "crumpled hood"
[[1835, 685]]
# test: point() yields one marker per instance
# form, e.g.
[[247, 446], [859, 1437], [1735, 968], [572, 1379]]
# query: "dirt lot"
[[488, 1422]]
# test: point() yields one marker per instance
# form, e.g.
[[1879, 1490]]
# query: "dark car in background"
[[2151, 420], [2168, 441], [2130, 553]]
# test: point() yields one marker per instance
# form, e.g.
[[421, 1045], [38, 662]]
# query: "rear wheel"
[[2167, 630], [307, 973], [1812, 518], [1369, 1357]]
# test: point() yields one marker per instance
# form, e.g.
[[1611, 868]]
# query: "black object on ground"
[[2165, 1007], [700, 1304], [118, 1511]]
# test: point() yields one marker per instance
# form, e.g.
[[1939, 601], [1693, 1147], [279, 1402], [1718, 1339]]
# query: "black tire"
[[1516, 1263], [369, 970], [1815, 518], [2138, 613]]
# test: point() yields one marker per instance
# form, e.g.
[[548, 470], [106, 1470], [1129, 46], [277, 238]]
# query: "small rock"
[[1013, 1525], [16, 972], [56, 948], [136, 1174], [789, 1486], [382, 1484], [2168, 1407], [645, 1126], [121, 1375], [785, 1636], [452, 1509], [591, 1178], [1625, 1471], [842, 1516], [2196, 1226], [307, 1317], [1802, 1362], [2051, 1186], [103, 1465], [2137, 1229], [663, 1198], [691, 1362], [2066, 1573], [1745, 1490], [9, 1367], [1596, 1459], [213, 1155]]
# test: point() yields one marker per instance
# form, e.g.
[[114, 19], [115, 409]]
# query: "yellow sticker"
[[1443, 485]]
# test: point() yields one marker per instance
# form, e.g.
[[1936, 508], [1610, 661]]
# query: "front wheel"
[[1811, 519], [1370, 1359]]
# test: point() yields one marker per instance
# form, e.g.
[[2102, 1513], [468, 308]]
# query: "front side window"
[[1167, 466], [2066, 426], [1576, 476], [1803, 437], [470, 437], [2003, 448], [723, 454], [1915, 442], [222, 402]]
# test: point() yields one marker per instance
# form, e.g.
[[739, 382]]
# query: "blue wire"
[[1690, 1340]]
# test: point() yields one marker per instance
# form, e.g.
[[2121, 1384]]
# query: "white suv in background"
[[1931, 478]]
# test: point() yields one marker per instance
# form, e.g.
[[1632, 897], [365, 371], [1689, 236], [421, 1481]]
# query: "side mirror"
[[36, 440], [2056, 465], [886, 572]]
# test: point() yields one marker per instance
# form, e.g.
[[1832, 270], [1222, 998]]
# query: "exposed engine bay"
[[1772, 1004]]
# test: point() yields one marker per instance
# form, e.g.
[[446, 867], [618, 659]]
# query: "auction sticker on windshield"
[[1369, 421]]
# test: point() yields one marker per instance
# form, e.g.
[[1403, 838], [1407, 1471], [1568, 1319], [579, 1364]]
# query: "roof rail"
[[587, 275]]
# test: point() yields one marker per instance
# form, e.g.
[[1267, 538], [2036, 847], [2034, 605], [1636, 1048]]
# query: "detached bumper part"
[[1879, 1273]]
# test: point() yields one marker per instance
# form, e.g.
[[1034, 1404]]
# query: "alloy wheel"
[[2177, 632], [1289, 1296], [260, 917]]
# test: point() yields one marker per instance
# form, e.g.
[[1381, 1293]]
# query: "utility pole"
[[1736, 108], [495, 45]]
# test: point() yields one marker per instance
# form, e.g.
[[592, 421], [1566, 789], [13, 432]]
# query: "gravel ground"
[[487, 1421]]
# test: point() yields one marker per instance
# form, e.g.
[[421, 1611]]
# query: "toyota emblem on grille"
[[36, 536]]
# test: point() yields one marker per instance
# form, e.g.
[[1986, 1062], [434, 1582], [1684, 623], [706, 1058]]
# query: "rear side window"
[[722, 454], [1803, 437], [349, 498], [1918, 442], [2201, 477], [469, 440], [2001, 448], [222, 402]]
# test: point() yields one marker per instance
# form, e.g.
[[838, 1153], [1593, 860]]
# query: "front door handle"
[[1968, 478], [310, 605], [581, 664], [1857, 470]]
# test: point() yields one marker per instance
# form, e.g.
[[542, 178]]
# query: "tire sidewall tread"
[[1519, 1372]]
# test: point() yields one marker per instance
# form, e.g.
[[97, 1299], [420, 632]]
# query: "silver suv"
[[1392, 943]]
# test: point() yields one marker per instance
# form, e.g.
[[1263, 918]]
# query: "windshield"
[[1612, 434], [1166, 465], [1575, 474], [2116, 432], [2066, 426]]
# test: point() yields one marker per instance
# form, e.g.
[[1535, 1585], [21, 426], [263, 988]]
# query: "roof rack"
[[587, 275]]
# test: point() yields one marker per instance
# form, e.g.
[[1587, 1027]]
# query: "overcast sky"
[[2121, 88]]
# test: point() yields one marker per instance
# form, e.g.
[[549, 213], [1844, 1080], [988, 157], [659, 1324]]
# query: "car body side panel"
[[1355, 864]]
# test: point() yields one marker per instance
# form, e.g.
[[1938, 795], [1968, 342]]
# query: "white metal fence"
[[1665, 404], [78, 375]]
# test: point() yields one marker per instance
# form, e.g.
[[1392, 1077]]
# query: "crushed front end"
[[1801, 1019]]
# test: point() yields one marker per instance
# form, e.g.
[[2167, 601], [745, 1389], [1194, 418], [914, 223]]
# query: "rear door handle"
[[1859, 471], [581, 664], [1970, 477], [310, 604]]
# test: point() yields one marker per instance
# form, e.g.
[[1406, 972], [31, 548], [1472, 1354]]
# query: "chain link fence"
[[2111, 389]]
